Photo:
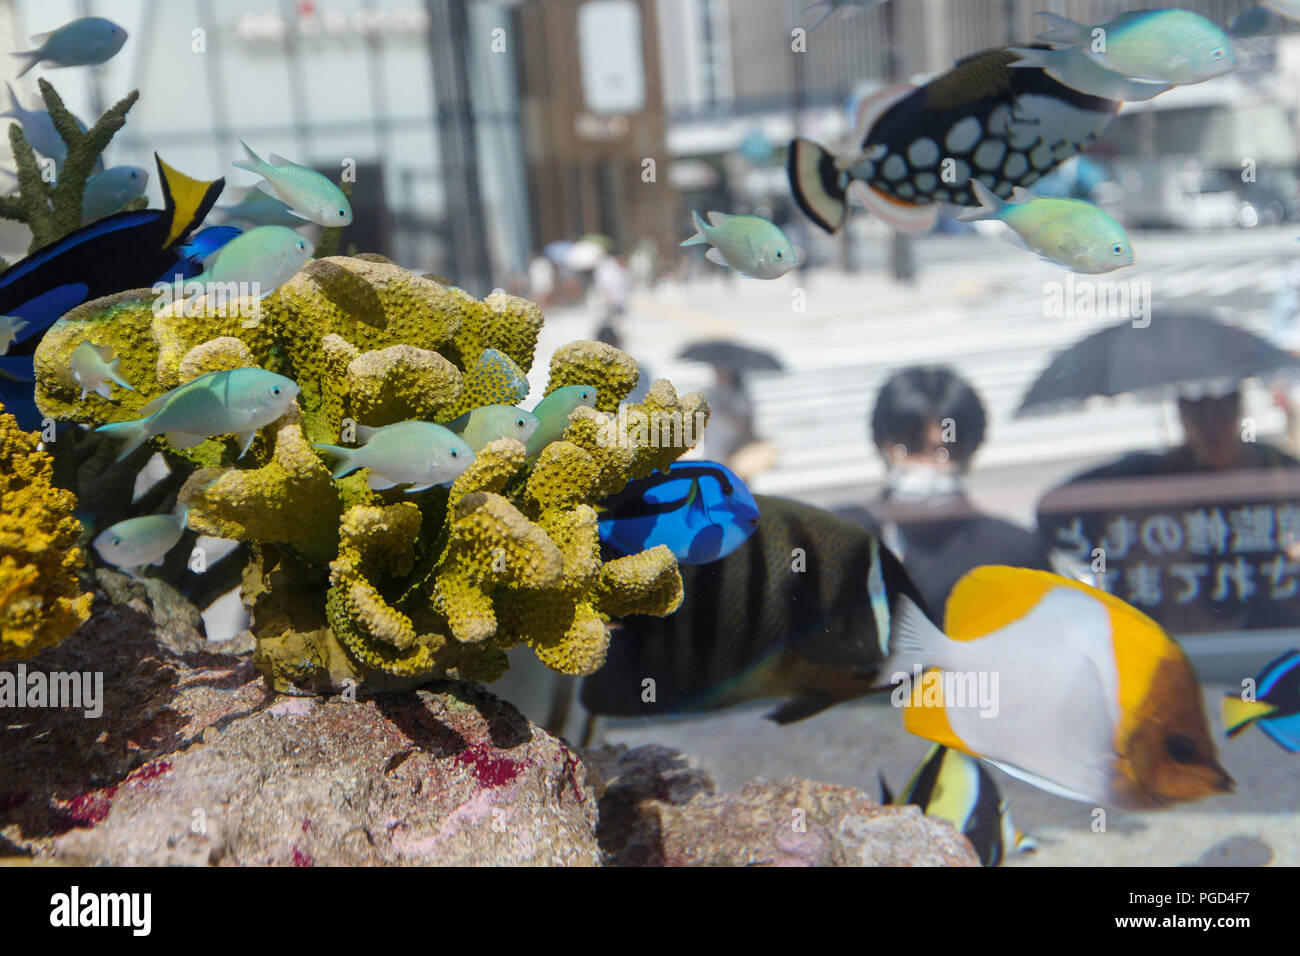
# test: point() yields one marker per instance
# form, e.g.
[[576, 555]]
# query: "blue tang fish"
[[1276, 707], [128, 250], [699, 509]]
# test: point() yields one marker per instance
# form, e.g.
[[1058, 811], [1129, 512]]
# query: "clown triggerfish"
[[919, 146]]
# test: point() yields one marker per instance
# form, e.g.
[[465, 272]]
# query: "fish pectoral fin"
[[903, 216], [293, 212], [716, 257], [184, 439], [800, 708]]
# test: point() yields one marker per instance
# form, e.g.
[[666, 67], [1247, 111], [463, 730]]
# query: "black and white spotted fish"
[[917, 147], [803, 610]]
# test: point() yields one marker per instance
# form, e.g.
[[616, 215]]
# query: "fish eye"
[[343, 213], [117, 542], [1218, 53], [455, 453], [301, 245], [1118, 248], [1180, 749], [778, 253], [275, 389]]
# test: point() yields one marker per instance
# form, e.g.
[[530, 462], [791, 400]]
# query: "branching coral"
[[53, 209], [41, 601], [385, 589]]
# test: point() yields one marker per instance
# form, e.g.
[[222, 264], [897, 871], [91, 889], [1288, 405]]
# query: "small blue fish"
[[83, 42], [754, 247], [107, 192], [40, 133], [1166, 46], [699, 509], [259, 209], [1275, 707], [307, 193]]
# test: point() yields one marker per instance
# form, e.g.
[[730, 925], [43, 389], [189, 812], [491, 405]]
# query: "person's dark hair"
[[607, 334], [913, 399]]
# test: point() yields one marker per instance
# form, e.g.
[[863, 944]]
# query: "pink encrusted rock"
[[658, 808], [195, 762]]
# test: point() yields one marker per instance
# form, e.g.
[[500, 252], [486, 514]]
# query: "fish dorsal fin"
[[990, 597], [872, 107], [275, 159], [154, 404], [105, 352], [187, 201], [1022, 195], [717, 218]]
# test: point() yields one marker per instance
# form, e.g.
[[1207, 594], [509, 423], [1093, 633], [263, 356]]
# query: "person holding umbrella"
[[927, 424], [1202, 536], [730, 437]]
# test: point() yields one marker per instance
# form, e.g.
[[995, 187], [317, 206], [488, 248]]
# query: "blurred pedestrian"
[[927, 424], [541, 280]]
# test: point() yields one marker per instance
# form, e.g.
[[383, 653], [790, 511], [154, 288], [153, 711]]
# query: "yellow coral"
[[41, 601], [438, 583]]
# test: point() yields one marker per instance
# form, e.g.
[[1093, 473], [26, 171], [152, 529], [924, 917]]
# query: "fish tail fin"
[[914, 640], [115, 373], [1030, 57], [132, 434], [819, 186], [698, 238], [830, 8], [1239, 714], [33, 57], [187, 201], [990, 206], [1062, 29], [253, 163], [345, 465]]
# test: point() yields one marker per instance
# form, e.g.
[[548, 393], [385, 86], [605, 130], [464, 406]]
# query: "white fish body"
[[10, 326], [412, 453], [753, 246], [1066, 748], [137, 542], [83, 42], [94, 367], [265, 257], [306, 192], [233, 402], [108, 191]]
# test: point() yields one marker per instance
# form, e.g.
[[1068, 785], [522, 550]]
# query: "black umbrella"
[[726, 354], [1176, 353]]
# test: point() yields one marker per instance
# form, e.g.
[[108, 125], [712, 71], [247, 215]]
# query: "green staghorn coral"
[[347, 584], [41, 601], [51, 210]]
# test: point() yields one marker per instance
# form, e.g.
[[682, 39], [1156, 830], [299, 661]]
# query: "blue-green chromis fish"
[[553, 413], [1167, 46], [93, 367], [234, 402], [107, 192], [482, 426], [416, 454], [10, 326], [264, 258], [83, 42], [259, 209], [1072, 66], [1067, 232], [136, 542], [953, 786], [40, 133], [751, 245], [305, 191]]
